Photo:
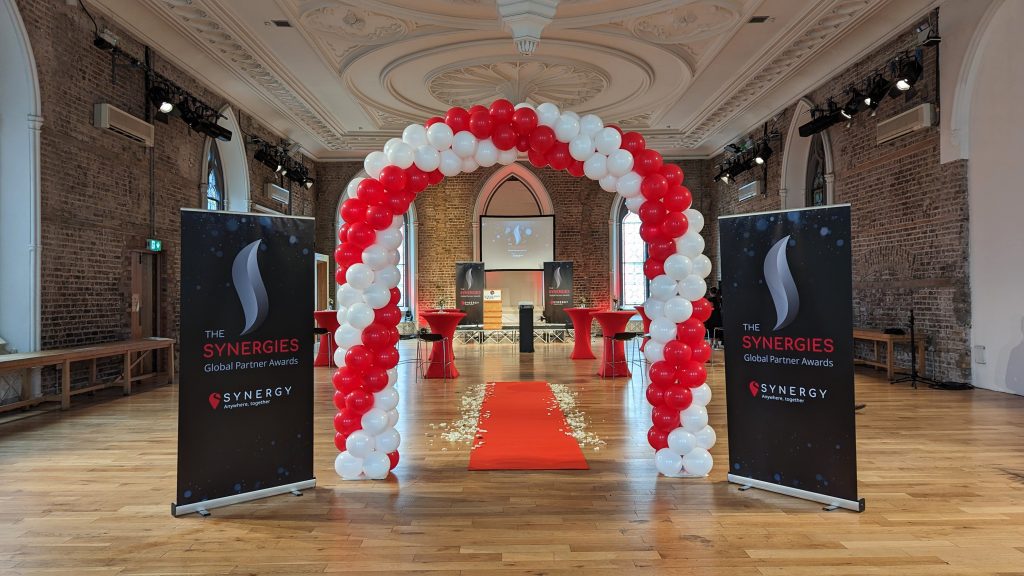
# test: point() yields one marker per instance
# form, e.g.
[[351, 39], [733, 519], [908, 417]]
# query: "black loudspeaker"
[[525, 328]]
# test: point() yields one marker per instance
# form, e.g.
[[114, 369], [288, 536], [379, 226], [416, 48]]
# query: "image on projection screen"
[[517, 242]]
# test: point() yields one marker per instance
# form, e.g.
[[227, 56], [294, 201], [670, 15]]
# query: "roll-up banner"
[[469, 290], [245, 408], [787, 310], [557, 291]]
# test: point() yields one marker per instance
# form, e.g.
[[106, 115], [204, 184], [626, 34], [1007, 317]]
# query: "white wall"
[[996, 187]]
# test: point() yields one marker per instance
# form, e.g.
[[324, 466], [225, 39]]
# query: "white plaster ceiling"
[[691, 75]]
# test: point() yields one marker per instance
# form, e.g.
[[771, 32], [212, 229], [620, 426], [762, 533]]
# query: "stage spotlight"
[[161, 99], [819, 123], [852, 105], [214, 130], [909, 71], [308, 183], [877, 88], [737, 168], [723, 174], [764, 152], [269, 160]]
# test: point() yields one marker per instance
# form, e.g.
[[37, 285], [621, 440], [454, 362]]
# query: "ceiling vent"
[[760, 19], [111, 118], [912, 120], [279, 23]]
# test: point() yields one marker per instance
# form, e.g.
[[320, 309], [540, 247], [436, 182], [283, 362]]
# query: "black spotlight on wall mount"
[[763, 153], [907, 70], [161, 98], [821, 119], [876, 89]]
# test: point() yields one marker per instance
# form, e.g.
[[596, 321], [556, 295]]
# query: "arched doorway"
[[807, 173], [229, 162]]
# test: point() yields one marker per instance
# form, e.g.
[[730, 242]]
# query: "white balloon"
[[695, 218], [464, 144], [698, 462], [348, 335], [590, 125], [486, 153], [389, 276], [374, 163], [581, 148], [506, 157], [340, 314], [681, 441], [701, 394], [547, 114], [397, 222], [401, 155], [353, 186], [608, 183], [677, 267], [706, 437], [702, 266], [596, 166], [426, 158], [392, 376], [392, 418], [662, 287], [348, 466], [668, 462], [566, 127], [348, 295], [360, 315], [359, 443], [690, 244], [620, 162], [390, 145], [440, 135], [468, 165], [377, 296], [394, 257], [386, 399], [571, 114], [654, 308], [633, 204], [414, 135], [693, 287], [376, 465], [388, 440], [375, 256], [629, 185], [450, 164], [662, 330], [391, 239], [694, 418], [360, 276], [607, 141], [678, 309], [339, 356], [654, 351], [374, 421]]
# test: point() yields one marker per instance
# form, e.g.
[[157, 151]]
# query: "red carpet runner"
[[521, 427]]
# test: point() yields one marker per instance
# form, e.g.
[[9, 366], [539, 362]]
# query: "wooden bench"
[[877, 337], [133, 353]]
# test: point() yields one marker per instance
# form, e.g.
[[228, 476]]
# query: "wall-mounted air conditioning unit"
[[749, 190], [112, 118], [282, 195], [912, 120]]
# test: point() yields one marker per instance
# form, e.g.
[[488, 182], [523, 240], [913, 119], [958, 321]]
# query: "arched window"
[[806, 178], [817, 194], [403, 258], [214, 178], [633, 252]]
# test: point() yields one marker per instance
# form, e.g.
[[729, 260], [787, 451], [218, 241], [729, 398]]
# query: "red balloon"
[[661, 250], [358, 402], [675, 225], [398, 202], [359, 358], [345, 379], [371, 191], [361, 235], [678, 398], [538, 159], [522, 143], [542, 139], [655, 394], [388, 315], [558, 156], [339, 441], [702, 309], [524, 121], [476, 108], [379, 217], [503, 137], [677, 199], [652, 212], [701, 352], [347, 255], [346, 422], [658, 439], [393, 178], [387, 358], [672, 173], [416, 180], [393, 335], [343, 233], [576, 169], [353, 209], [480, 124], [677, 352], [339, 401], [653, 268], [396, 297], [662, 373], [651, 233], [633, 142], [692, 374], [654, 186], [665, 418], [375, 336], [647, 162], [457, 119], [501, 111], [433, 120], [434, 177], [393, 457], [339, 274], [690, 331], [375, 380]]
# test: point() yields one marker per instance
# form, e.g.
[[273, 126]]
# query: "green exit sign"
[[154, 245]]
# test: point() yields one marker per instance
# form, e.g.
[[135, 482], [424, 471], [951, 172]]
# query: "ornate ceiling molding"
[[564, 84], [357, 25], [683, 24]]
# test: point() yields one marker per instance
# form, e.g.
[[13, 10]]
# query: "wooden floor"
[[87, 492]]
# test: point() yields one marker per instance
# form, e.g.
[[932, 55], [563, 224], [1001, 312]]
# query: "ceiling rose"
[[564, 84]]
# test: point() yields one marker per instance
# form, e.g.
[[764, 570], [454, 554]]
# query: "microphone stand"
[[914, 377]]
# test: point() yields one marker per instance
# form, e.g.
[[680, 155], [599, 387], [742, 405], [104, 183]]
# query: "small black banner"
[[557, 291], [469, 291]]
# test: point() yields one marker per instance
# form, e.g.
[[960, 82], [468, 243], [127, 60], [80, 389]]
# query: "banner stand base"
[[203, 508], [830, 501]]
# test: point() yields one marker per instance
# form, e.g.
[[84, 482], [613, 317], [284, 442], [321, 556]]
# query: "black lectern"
[[525, 328]]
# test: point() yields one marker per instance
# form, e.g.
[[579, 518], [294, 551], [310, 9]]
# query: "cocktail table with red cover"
[[612, 322], [327, 319], [442, 322], [581, 321]]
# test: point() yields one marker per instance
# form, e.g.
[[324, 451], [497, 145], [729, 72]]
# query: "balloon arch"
[[463, 141]]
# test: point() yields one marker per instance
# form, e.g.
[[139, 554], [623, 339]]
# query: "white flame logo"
[[469, 278], [781, 284], [557, 277], [252, 294]]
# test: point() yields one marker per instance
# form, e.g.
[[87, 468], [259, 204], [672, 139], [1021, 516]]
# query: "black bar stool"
[[623, 337]]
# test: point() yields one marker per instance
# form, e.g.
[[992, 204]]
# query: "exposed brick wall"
[[909, 211]]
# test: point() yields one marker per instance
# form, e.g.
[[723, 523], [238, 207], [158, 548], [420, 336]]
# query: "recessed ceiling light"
[[761, 19], [279, 23]]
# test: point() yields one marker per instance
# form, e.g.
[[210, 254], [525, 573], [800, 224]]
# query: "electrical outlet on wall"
[[979, 355]]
